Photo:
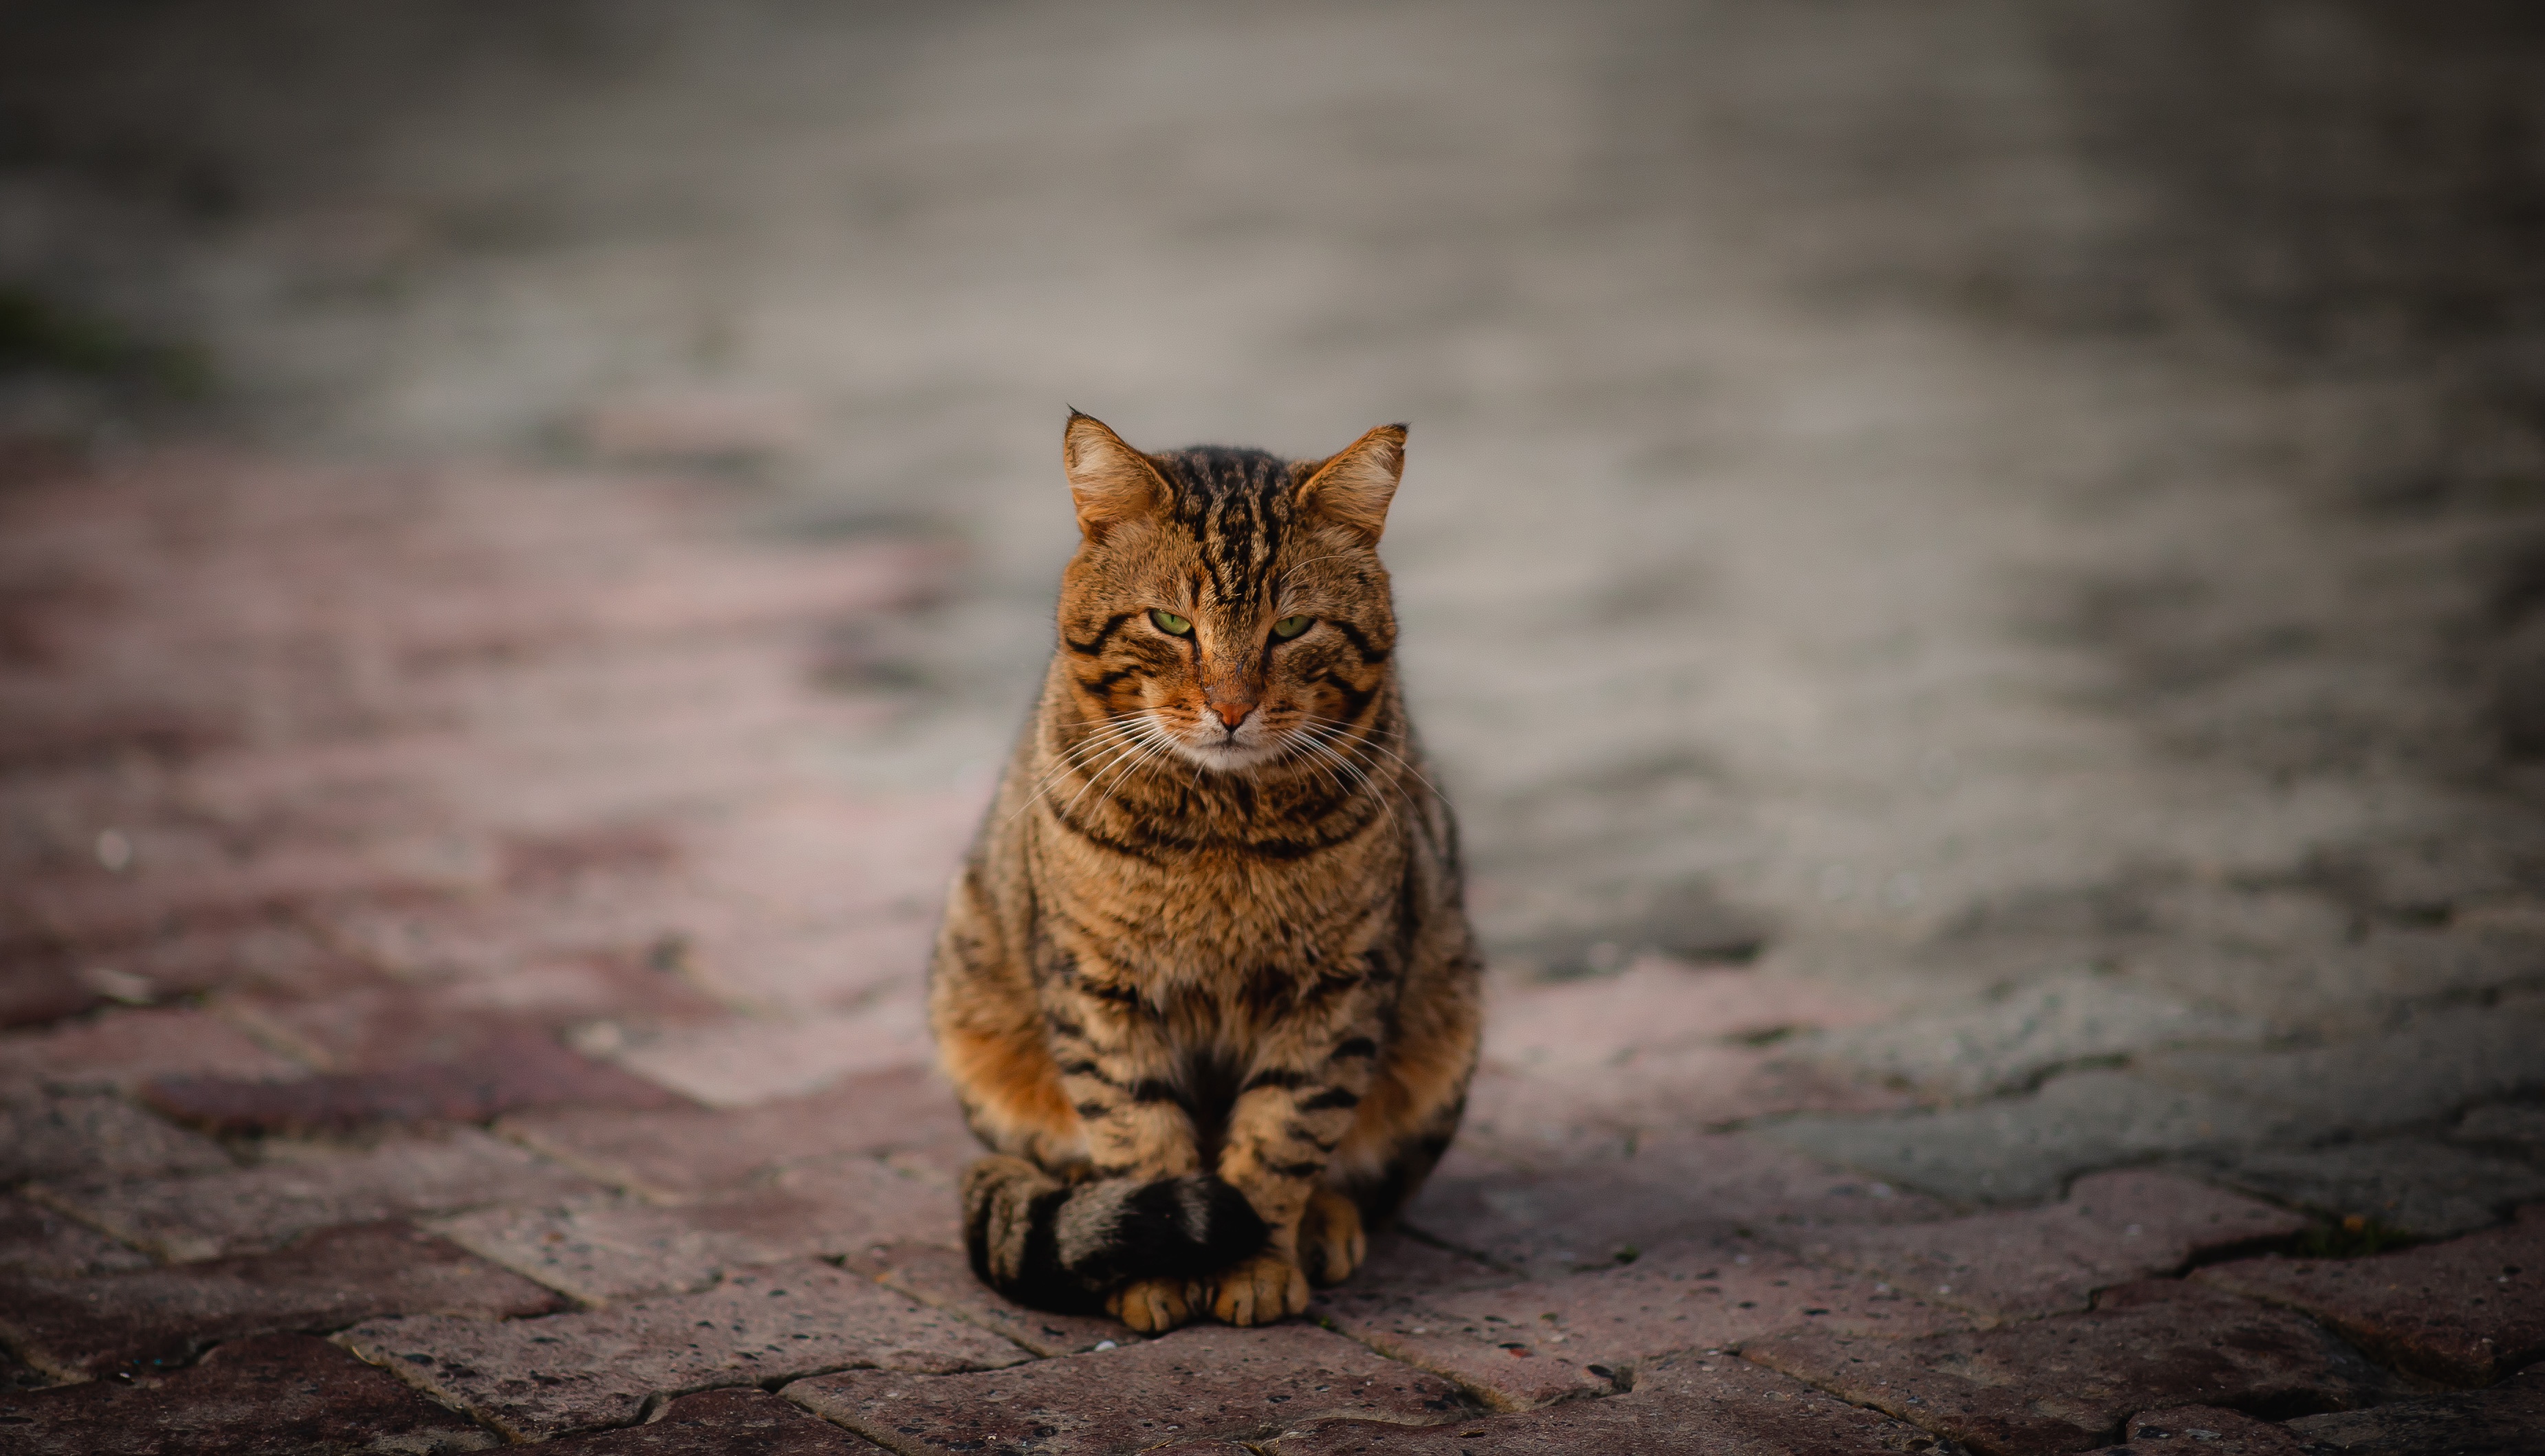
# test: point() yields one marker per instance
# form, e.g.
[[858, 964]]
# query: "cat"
[[1205, 985]]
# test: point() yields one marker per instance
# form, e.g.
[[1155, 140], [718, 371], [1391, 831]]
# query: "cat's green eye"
[[1170, 624], [1291, 627]]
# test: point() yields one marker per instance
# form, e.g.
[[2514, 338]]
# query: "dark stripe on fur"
[[1094, 645], [1065, 1248]]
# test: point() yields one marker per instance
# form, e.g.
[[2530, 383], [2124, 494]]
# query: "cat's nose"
[[1232, 713]]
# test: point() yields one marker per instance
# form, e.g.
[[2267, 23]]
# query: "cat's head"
[[1227, 606]]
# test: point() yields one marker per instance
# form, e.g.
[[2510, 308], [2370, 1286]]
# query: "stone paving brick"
[[1656, 1005], [442, 1017], [742, 1061], [503, 1072], [124, 1048], [2207, 1430], [93, 1134], [54, 981], [604, 1250], [2068, 1382], [2505, 1124], [43, 987], [685, 1153], [1203, 1381], [17, 1376], [2006, 1042], [2425, 1072], [277, 1394], [1714, 1404], [2112, 1228], [41, 1240], [460, 939], [534, 1379], [721, 1423], [2022, 1148], [1688, 1186], [1522, 1345], [1401, 1263], [73, 1326], [2501, 1421], [941, 1276], [1689, 1088], [2466, 1312], [277, 875], [2425, 1188], [298, 1188]]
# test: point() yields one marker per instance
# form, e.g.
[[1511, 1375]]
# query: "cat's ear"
[[1351, 490], [1111, 482]]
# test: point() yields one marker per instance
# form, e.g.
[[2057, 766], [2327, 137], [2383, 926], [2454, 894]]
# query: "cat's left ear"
[[1351, 490]]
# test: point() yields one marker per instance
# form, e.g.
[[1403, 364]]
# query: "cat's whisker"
[[1114, 740], [1359, 776], [1341, 727], [1105, 737], [1155, 741]]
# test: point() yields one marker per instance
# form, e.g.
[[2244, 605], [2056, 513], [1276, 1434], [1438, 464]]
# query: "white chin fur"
[[1226, 756]]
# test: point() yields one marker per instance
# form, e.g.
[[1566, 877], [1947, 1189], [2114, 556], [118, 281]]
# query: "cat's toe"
[[1259, 1291], [1330, 1242], [1151, 1306]]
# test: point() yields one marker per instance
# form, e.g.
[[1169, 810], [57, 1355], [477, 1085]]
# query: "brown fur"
[[1205, 983]]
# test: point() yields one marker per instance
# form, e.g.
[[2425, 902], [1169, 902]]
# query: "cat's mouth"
[[1227, 751]]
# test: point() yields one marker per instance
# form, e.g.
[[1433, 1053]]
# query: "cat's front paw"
[[1330, 1242], [1152, 1305], [1259, 1291]]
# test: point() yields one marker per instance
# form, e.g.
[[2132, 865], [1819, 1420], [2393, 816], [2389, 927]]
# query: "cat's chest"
[[1213, 916]]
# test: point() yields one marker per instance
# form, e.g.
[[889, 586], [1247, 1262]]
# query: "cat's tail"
[[1063, 1247]]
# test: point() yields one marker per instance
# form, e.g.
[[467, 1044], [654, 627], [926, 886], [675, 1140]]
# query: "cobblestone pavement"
[[1975, 571]]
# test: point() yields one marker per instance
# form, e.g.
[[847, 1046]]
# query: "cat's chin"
[[1226, 758]]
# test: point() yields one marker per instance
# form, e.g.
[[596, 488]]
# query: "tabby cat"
[[1205, 985]]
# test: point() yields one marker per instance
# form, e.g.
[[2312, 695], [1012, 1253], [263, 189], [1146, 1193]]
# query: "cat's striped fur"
[[1205, 986]]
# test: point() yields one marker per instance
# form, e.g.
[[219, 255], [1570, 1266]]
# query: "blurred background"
[[1956, 488]]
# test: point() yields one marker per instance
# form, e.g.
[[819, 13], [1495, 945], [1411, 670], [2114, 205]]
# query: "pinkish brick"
[[505, 1071], [679, 1154], [277, 1394], [74, 1328], [2112, 1228], [257, 955], [122, 1049], [463, 938], [279, 875], [41, 1240], [741, 1062], [2503, 1419], [1658, 1005], [1201, 1381], [1692, 1088], [2466, 1312], [2208, 1431], [301, 1188], [44, 986], [93, 1134], [1401, 1265], [2068, 1382], [442, 1018], [943, 1278], [1522, 1345], [1581, 1211], [826, 968], [720, 1423], [534, 1379], [605, 1250], [1691, 1403]]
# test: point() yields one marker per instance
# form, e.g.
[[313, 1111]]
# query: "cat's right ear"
[[1111, 482]]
